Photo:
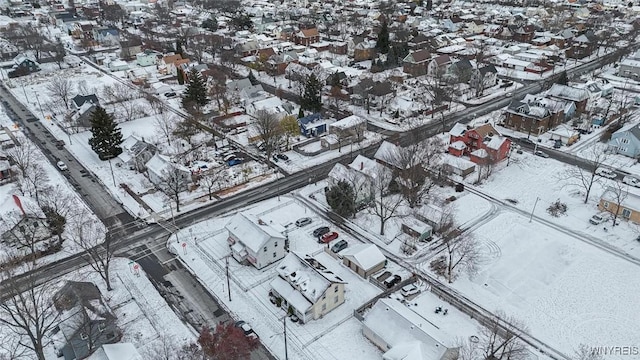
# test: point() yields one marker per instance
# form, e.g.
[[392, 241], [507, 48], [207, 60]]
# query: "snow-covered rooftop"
[[251, 231]]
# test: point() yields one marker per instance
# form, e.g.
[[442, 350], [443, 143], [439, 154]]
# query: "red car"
[[328, 237]]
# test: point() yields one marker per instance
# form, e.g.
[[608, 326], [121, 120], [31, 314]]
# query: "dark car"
[[234, 162], [526, 141], [320, 231], [274, 158], [393, 281], [282, 157], [339, 246], [328, 237], [170, 94]]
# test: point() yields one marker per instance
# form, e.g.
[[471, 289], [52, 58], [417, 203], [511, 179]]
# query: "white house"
[[255, 241], [118, 351], [399, 331], [159, 87], [21, 218], [160, 168], [307, 287], [147, 58], [364, 259]]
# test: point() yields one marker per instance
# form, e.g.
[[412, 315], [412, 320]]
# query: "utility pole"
[[284, 322], [534, 208], [228, 282]]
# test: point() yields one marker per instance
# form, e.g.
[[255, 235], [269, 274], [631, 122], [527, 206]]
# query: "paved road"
[[96, 197]]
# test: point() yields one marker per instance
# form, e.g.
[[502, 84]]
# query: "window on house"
[[335, 300], [101, 327], [336, 289], [625, 141], [626, 213], [265, 249], [274, 254], [605, 204], [622, 149], [275, 244]]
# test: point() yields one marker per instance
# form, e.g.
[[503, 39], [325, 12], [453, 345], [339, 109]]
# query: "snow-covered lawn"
[[205, 255]]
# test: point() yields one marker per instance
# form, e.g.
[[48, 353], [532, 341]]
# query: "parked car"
[[61, 165], [320, 231], [519, 151], [282, 157], [630, 180], [170, 94], [328, 237], [339, 246], [541, 154], [409, 290], [596, 219], [526, 141], [234, 162], [303, 222], [246, 328], [393, 281], [606, 173], [275, 158]]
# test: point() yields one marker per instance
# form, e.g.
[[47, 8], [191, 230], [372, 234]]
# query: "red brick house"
[[531, 118], [524, 33], [306, 37], [482, 144]]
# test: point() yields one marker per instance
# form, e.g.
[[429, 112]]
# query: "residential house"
[[554, 105], [457, 166], [308, 286], [238, 85], [254, 241], [106, 36], [484, 77], [85, 320], [416, 62], [272, 105], [626, 141], [524, 34], [81, 117], [160, 170], [119, 351], [346, 131], [147, 58], [531, 119], [569, 93], [582, 46], [22, 221], [277, 63], [6, 174], [481, 144], [338, 48], [623, 203], [168, 64], [438, 65], [380, 93], [312, 125], [630, 67], [416, 229], [419, 42], [402, 333], [364, 259], [23, 65], [365, 50], [79, 100], [565, 135], [136, 153], [361, 175], [130, 47], [599, 88], [306, 37]]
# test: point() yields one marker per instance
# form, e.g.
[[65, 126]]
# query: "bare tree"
[[26, 309], [35, 182], [27, 37], [385, 205], [269, 130], [60, 88], [585, 352], [211, 180], [122, 97], [584, 178], [92, 237], [174, 182], [218, 89], [500, 339], [460, 253], [58, 206], [615, 194], [166, 125], [27, 229]]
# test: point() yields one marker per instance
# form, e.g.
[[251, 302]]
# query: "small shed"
[[565, 134], [417, 229], [364, 259], [458, 166]]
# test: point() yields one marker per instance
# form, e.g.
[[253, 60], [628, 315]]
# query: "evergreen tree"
[[429, 5], [180, 76], [334, 79], [392, 56], [562, 79], [383, 39], [300, 113], [210, 24], [312, 97], [195, 95], [252, 78], [106, 136], [342, 199], [179, 48]]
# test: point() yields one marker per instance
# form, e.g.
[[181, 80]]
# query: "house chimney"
[[361, 165]]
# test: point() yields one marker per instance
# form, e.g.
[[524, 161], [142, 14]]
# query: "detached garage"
[[364, 259]]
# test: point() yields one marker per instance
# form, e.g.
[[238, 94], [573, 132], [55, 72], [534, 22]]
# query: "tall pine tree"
[[195, 96], [382, 45], [312, 97], [106, 136]]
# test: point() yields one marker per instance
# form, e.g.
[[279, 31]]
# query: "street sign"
[[136, 267]]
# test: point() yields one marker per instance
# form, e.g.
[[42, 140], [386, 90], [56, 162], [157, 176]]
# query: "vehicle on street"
[[62, 166], [328, 237], [541, 154], [393, 281], [234, 162], [320, 231], [630, 180], [339, 246], [606, 173], [60, 144], [275, 158], [409, 290], [519, 151], [526, 141], [303, 222], [246, 329], [509, 94], [596, 219]]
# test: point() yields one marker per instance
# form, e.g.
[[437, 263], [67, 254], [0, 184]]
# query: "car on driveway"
[[541, 154], [328, 237], [393, 281], [62, 166], [339, 246], [234, 162], [303, 222], [630, 180], [170, 94], [282, 157], [606, 173], [320, 231], [409, 290], [596, 219]]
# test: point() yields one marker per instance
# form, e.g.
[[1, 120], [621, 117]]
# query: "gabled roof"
[[418, 56], [15, 208], [79, 100], [458, 130], [307, 275], [251, 231], [366, 256], [306, 33], [442, 60], [568, 92]]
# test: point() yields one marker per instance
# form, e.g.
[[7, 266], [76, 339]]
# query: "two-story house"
[[569, 93], [531, 119], [481, 144], [415, 64], [307, 286], [22, 221], [626, 141], [136, 153], [254, 241], [306, 37], [438, 65]]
